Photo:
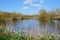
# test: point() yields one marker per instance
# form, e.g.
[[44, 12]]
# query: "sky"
[[29, 7]]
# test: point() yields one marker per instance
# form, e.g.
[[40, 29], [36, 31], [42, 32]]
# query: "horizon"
[[28, 7]]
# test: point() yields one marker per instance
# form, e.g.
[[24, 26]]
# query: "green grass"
[[17, 35], [6, 35]]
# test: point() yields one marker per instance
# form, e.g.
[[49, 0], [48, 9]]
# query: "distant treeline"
[[53, 14], [14, 16], [7, 15], [43, 14]]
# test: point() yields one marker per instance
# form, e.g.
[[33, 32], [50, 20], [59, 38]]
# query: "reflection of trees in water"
[[43, 23], [10, 24], [58, 25], [55, 24], [47, 22], [17, 24], [2, 22], [51, 23], [16, 21]]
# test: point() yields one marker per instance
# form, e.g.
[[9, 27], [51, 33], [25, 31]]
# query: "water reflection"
[[35, 27], [58, 30], [43, 23]]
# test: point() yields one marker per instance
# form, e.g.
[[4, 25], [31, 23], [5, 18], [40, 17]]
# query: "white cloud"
[[25, 8], [31, 2], [41, 1], [36, 5], [28, 1]]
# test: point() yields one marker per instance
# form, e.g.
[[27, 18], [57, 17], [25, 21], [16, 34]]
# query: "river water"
[[34, 26]]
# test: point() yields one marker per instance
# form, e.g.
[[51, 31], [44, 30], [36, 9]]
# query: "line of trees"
[[54, 14], [43, 14], [12, 15]]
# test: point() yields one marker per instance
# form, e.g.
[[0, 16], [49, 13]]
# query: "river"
[[35, 27]]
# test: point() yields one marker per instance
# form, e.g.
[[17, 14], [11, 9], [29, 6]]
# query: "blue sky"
[[28, 6]]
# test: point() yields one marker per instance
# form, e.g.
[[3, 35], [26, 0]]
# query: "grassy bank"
[[17, 35]]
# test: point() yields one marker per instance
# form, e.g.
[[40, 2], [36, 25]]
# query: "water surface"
[[34, 27]]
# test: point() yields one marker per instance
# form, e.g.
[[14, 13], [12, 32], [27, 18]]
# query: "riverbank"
[[18, 35]]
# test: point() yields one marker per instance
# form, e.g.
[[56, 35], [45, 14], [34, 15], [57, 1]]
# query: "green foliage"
[[54, 14], [8, 15], [6, 35], [43, 14], [17, 35]]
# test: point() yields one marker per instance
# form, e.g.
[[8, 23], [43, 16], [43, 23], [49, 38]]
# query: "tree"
[[43, 14]]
